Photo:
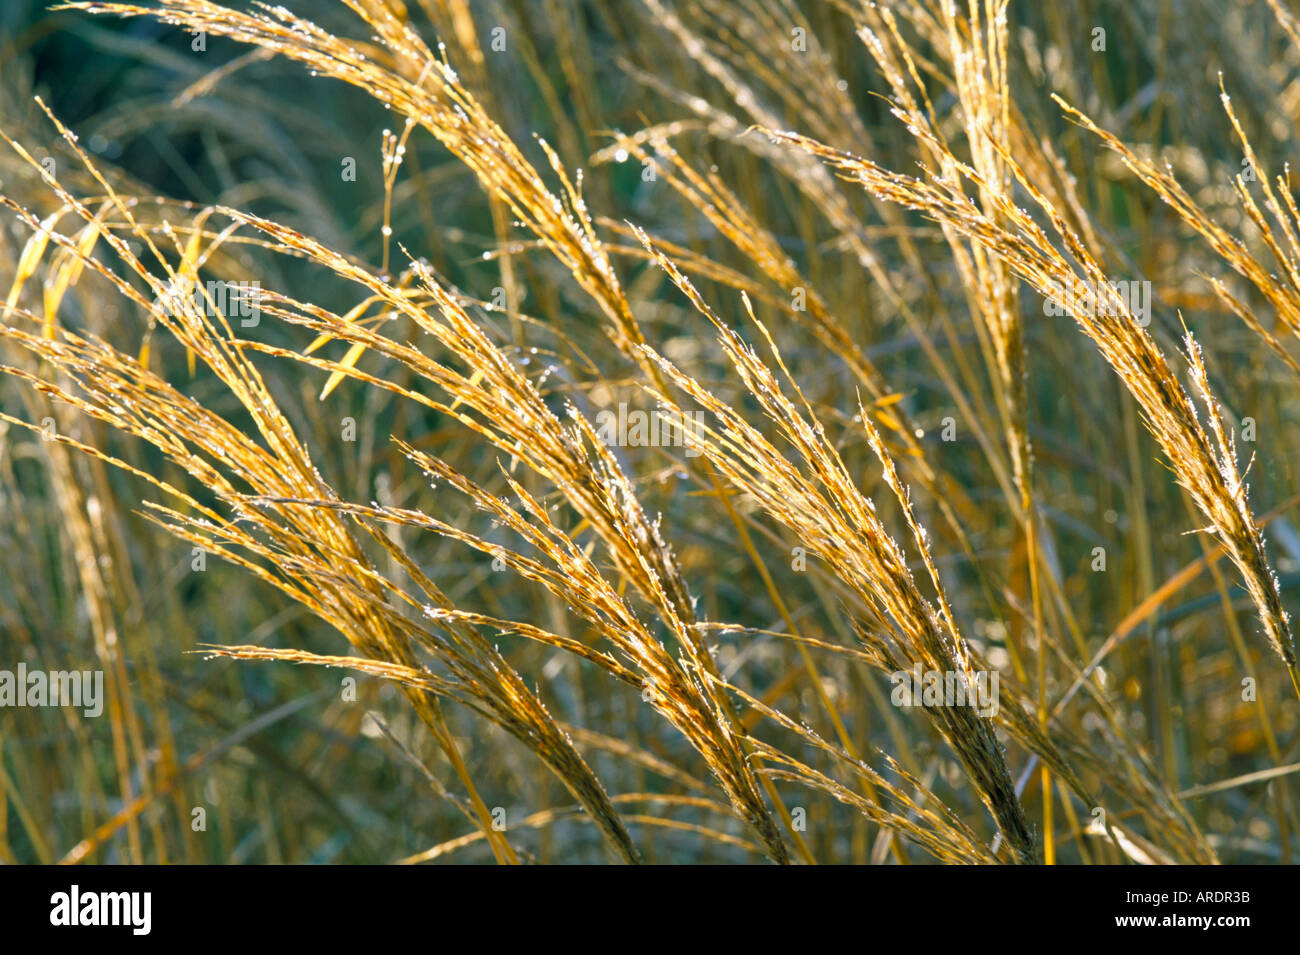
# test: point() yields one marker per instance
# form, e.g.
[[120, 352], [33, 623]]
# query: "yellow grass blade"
[[350, 359], [31, 257], [69, 269], [348, 319], [474, 379]]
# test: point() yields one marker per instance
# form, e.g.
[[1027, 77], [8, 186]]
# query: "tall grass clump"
[[611, 413]]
